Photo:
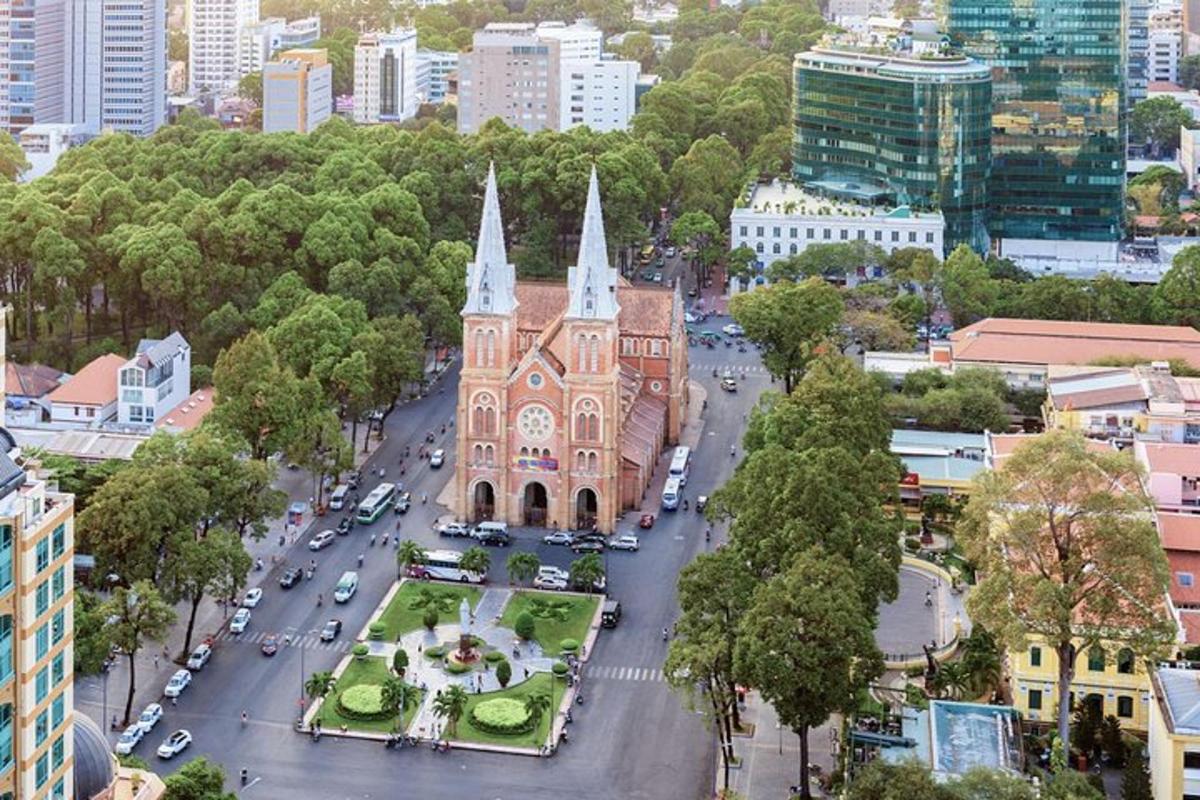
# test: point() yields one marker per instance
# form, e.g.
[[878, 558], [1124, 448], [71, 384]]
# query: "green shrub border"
[[501, 730], [350, 713], [494, 657]]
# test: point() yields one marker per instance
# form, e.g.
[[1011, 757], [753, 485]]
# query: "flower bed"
[[504, 716]]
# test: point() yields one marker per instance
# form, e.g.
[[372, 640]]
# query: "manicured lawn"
[[538, 684], [369, 670], [556, 616], [407, 609]]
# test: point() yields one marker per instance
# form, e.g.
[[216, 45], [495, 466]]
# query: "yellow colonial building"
[[1174, 735], [1108, 675]]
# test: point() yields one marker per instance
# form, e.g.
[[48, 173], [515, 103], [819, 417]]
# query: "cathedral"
[[569, 392]]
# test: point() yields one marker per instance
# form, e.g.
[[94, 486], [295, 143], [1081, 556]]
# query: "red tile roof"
[[94, 385], [1179, 531], [1191, 626], [1174, 459], [1044, 342], [31, 380], [1189, 564], [190, 413], [645, 310]]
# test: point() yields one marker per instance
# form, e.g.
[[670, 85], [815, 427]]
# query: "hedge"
[[375, 630], [457, 667], [437, 651], [362, 702], [360, 650], [559, 668], [569, 645], [493, 656], [502, 715], [524, 625]]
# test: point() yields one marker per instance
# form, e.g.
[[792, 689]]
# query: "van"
[[491, 532], [347, 585], [670, 495], [610, 615], [337, 500]]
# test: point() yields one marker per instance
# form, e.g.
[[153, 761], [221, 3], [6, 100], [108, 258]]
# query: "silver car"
[[626, 542]]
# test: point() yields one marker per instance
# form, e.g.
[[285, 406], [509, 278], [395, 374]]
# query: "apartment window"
[[42, 770], [775, 248], [928, 238], [912, 236], [826, 234], [1035, 656], [6, 557], [42, 598], [58, 711], [6, 733], [793, 232], [775, 231], [58, 541], [42, 639], [58, 586], [1035, 699], [759, 230], [1095, 658], [58, 669], [57, 753], [43, 553], [59, 792], [41, 728], [1125, 706], [895, 236], [41, 684]]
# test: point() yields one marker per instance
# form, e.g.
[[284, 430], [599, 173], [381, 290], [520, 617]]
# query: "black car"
[[591, 537], [494, 538], [343, 527], [289, 578], [588, 547], [331, 630]]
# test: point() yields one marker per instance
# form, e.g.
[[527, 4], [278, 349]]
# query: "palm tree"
[[953, 680], [409, 553], [451, 704], [587, 571], [397, 695], [319, 684], [476, 559], [522, 566], [536, 706]]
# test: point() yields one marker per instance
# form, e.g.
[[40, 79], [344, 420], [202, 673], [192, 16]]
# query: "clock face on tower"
[[536, 423]]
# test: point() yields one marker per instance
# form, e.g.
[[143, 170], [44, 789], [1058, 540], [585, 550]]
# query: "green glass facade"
[[1059, 123], [909, 130]]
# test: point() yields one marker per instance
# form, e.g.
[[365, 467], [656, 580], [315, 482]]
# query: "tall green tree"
[[1179, 289], [523, 566], [1157, 122], [319, 684], [808, 644], [134, 617], [450, 705], [587, 571], [966, 288], [197, 566], [792, 322], [1064, 537], [198, 779]]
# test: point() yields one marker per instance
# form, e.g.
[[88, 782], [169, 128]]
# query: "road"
[[632, 739]]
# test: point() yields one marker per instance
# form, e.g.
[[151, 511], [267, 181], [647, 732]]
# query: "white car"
[[322, 540], [625, 542], [436, 459], [174, 744], [199, 657], [252, 598], [733, 329], [553, 573], [240, 620], [129, 740], [670, 251], [151, 714], [179, 681], [558, 537], [549, 584], [690, 318], [454, 529]]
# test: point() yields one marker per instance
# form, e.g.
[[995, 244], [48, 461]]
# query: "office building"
[[297, 91], [385, 77], [258, 42], [1058, 123], [44, 144], [133, 51], [600, 94], [36, 631], [512, 74], [33, 58], [434, 68], [896, 131], [1138, 51], [214, 28], [578, 42]]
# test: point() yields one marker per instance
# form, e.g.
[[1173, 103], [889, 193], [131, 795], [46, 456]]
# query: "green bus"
[[378, 501]]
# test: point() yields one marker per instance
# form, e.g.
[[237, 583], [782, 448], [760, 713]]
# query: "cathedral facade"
[[568, 393]]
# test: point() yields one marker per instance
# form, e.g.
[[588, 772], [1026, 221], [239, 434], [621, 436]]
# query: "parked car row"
[[490, 533], [595, 542]]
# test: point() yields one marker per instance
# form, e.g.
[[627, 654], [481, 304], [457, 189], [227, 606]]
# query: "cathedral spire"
[[592, 282], [490, 278]]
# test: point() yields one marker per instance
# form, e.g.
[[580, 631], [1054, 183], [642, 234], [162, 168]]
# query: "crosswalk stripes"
[[617, 673], [307, 642]]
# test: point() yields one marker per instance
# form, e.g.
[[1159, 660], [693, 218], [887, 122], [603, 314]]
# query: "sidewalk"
[[770, 759]]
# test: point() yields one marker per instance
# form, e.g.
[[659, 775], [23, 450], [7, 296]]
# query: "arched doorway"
[[535, 504], [585, 508], [484, 502]]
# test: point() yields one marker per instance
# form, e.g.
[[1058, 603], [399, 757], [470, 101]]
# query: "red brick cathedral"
[[568, 392]]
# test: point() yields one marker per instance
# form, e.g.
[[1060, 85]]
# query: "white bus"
[[442, 565], [671, 494], [681, 462], [378, 501]]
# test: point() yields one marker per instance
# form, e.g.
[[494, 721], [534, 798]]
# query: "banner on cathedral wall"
[[535, 464]]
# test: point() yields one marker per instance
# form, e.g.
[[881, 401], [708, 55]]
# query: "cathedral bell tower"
[[489, 336], [592, 401]]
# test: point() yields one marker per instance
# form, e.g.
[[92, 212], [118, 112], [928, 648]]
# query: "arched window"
[[489, 421], [524, 452], [478, 454], [580, 461], [581, 426], [477, 419], [1095, 658], [595, 363], [489, 455], [491, 348], [479, 348], [656, 347], [582, 353], [792, 247], [592, 461], [546, 452], [1125, 662], [593, 427]]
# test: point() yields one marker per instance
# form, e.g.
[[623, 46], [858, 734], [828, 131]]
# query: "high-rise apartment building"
[[36, 627], [600, 94], [1058, 123], [258, 42], [32, 56], [433, 74], [214, 33], [1166, 42], [297, 91], [385, 76], [578, 42], [898, 130], [133, 86], [1137, 38]]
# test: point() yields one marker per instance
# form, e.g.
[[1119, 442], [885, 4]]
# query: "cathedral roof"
[[645, 310]]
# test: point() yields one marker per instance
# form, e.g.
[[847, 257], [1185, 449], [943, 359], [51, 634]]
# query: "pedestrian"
[[527, 673], [156, 660], [420, 647], [174, 701]]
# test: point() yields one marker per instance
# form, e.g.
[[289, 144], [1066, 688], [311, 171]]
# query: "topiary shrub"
[[525, 626], [430, 620], [363, 702], [399, 661], [502, 715], [360, 651], [504, 673], [569, 645], [437, 651], [912, 544], [559, 668], [457, 667], [493, 656], [375, 630]]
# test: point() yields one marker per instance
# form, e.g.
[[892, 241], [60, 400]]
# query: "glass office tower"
[[896, 128], [1059, 120]]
